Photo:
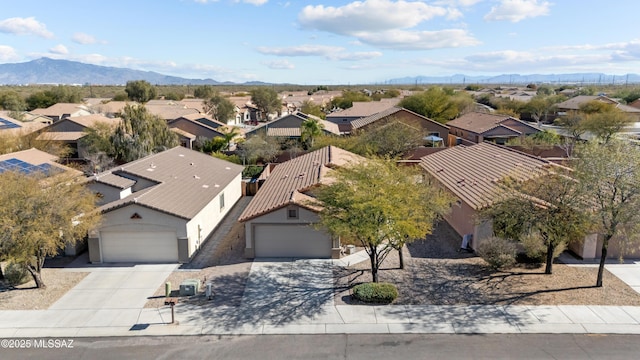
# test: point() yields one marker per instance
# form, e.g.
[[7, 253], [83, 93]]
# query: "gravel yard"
[[436, 273]]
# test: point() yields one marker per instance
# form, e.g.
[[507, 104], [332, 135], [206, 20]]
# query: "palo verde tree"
[[434, 103], [610, 176], [39, 215], [549, 205], [381, 206]]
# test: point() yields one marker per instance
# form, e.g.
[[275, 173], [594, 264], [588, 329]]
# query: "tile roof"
[[366, 108], [90, 120], [329, 127], [34, 156], [114, 180], [289, 180], [61, 108], [356, 124], [472, 172], [186, 181], [61, 135], [480, 122], [170, 112]]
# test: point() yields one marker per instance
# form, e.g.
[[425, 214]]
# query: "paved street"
[[407, 346]]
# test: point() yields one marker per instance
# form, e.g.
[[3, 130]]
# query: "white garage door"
[[139, 246], [291, 241]]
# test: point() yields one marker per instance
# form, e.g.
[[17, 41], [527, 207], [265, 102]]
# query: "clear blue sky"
[[327, 42]]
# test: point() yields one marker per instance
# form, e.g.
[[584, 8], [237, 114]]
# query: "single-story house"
[[479, 127], [288, 126], [471, 174], [9, 125], [192, 126], [61, 111], [163, 207], [400, 115], [575, 103], [280, 219], [359, 110], [71, 129]]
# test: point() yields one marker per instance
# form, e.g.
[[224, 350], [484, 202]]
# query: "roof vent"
[[227, 168], [205, 186], [196, 177], [181, 155], [192, 164], [216, 185]]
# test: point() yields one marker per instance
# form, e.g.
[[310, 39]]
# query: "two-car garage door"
[[149, 246], [300, 241]]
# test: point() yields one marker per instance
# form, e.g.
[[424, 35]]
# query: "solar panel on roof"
[[14, 164], [6, 124]]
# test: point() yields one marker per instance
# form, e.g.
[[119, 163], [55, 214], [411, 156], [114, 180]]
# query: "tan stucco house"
[[478, 127], [163, 207], [288, 126], [280, 220]]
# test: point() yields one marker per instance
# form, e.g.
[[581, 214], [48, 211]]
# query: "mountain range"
[[53, 71]]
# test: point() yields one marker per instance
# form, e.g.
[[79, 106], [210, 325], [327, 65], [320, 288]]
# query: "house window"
[[292, 213], [221, 201], [434, 134]]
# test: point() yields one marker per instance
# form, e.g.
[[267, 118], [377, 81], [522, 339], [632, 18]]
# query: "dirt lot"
[[28, 297], [436, 273]]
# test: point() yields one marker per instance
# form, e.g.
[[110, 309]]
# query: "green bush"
[[16, 274], [534, 247], [378, 293], [498, 253]]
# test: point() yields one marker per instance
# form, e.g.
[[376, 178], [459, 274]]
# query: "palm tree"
[[229, 134], [310, 129]]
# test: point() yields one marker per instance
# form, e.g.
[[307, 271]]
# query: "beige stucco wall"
[[109, 193], [209, 217], [461, 218], [151, 220]]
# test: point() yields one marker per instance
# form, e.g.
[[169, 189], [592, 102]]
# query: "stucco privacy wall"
[[209, 217]]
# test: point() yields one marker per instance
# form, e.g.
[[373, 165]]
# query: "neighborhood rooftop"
[[186, 181], [472, 172], [288, 181], [356, 124]]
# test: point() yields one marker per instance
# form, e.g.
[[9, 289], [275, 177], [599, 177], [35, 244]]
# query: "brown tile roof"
[[112, 107], [329, 127], [170, 112], [186, 181], [198, 116], [90, 120], [61, 135], [480, 122], [356, 124], [181, 132], [472, 172], [60, 109], [289, 180], [283, 132]]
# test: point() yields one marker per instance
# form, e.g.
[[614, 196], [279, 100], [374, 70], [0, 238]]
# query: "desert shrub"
[[534, 247], [499, 253], [378, 293], [16, 274]]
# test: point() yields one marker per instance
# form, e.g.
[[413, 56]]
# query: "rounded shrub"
[[377, 293], [499, 253], [16, 274]]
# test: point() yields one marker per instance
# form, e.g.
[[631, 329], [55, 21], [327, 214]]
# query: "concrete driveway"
[[288, 290]]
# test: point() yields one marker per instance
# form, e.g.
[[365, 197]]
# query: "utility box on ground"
[[189, 287]]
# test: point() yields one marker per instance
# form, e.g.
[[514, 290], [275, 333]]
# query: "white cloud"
[[518, 10], [328, 52], [419, 40], [280, 65], [462, 3], [59, 49], [368, 15], [83, 39], [7, 53], [25, 26], [388, 24]]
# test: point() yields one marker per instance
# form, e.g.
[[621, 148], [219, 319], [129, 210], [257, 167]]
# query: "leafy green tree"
[[259, 147], [549, 205], [267, 101], [66, 94], [140, 134], [40, 100], [348, 98], [433, 103], [545, 90], [38, 217], [368, 202], [310, 130], [610, 174], [605, 124], [219, 107], [173, 95], [308, 107], [540, 107], [391, 140], [11, 100], [203, 92], [140, 91]]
